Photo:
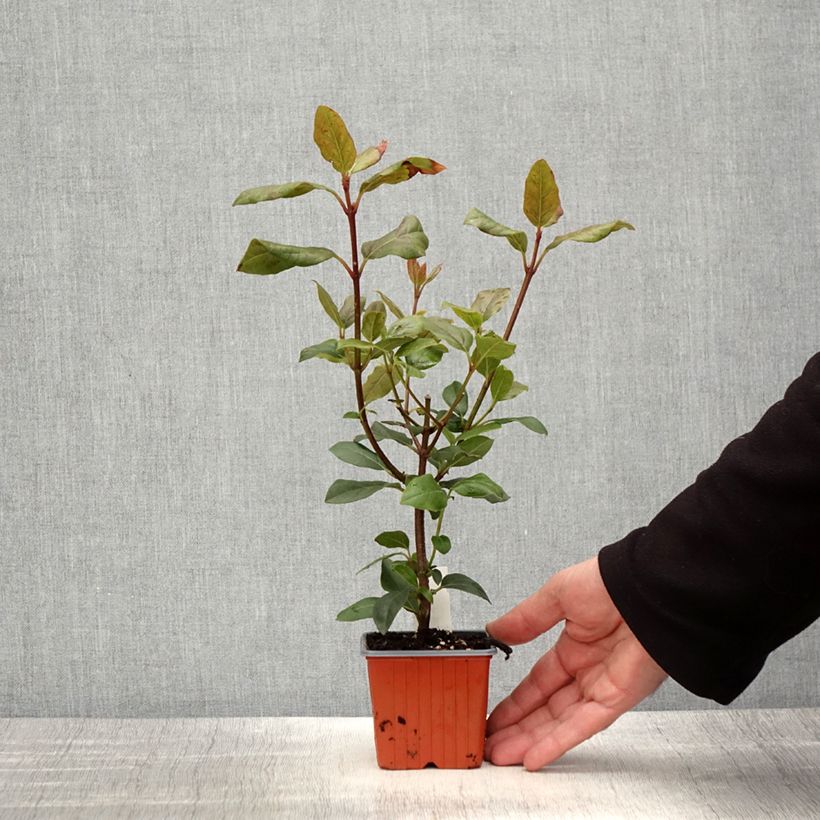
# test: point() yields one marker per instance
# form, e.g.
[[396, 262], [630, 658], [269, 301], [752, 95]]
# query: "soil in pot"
[[433, 639]]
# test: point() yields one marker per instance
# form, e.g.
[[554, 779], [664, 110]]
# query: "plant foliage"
[[391, 347]]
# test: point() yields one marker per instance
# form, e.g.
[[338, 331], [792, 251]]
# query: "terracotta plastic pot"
[[429, 707]]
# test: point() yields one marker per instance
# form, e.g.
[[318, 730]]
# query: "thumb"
[[532, 617]]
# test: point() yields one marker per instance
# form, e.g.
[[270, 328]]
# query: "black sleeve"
[[730, 568]]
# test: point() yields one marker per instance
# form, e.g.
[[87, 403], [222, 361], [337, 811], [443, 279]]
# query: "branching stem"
[[350, 211], [529, 272]]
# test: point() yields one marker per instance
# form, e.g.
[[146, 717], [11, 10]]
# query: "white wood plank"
[[731, 763]]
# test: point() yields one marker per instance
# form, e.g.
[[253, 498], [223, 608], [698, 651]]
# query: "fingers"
[[510, 744], [581, 724], [541, 739], [532, 617], [543, 680]]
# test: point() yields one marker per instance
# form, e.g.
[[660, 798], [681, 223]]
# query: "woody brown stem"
[[350, 211], [421, 551]]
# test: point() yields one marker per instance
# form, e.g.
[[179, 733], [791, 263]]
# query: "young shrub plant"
[[422, 451]]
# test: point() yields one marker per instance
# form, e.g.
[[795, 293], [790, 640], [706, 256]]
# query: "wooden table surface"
[[721, 763]]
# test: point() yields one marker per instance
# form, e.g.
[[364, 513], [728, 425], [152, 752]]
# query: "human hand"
[[596, 671]]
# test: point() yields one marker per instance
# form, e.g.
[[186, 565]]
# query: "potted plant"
[[428, 687]]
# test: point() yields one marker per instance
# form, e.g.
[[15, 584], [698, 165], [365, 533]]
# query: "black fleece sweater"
[[730, 568]]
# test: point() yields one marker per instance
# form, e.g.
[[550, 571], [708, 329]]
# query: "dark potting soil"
[[432, 639]]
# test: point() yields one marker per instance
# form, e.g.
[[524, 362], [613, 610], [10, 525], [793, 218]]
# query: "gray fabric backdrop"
[[165, 548]]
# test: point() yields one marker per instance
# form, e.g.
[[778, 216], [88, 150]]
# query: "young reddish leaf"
[[333, 139], [400, 172], [369, 157], [542, 204]]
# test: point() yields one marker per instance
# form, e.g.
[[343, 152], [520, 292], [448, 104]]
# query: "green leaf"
[[393, 539], [266, 193], [347, 311], [463, 583], [449, 434], [592, 233], [392, 306], [433, 274], [491, 346], [264, 258], [515, 389], [475, 447], [467, 451], [373, 321], [449, 395], [444, 330], [424, 493], [489, 302], [478, 486], [542, 204], [329, 306], [530, 422], [472, 318], [400, 172], [377, 560], [387, 607], [435, 574], [382, 431], [484, 223], [328, 350], [479, 430], [356, 344], [414, 371], [391, 578], [503, 387], [387, 343], [358, 611], [410, 326], [408, 241], [378, 384], [344, 491], [333, 139], [501, 383], [369, 157], [358, 455], [441, 543], [422, 353]]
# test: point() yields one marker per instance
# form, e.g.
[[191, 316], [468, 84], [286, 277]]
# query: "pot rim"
[[427, 653]]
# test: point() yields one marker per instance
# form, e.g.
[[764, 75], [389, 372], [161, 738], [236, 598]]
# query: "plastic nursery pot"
[[429, 706]]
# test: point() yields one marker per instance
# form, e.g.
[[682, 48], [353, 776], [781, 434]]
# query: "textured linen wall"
[[165, 548]]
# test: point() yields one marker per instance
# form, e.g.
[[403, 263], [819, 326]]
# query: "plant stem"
[[442, 422], [529, 272], [408, 421], [407, 390], [421, 553], [350, 211]]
